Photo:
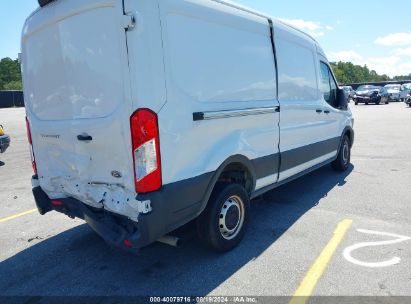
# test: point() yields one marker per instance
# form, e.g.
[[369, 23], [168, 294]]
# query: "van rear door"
[[78, 103]]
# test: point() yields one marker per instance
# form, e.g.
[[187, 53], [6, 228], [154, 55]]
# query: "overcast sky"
[[376, 33]]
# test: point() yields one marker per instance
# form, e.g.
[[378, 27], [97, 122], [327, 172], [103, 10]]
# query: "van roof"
[[255, 12], [252, 11]]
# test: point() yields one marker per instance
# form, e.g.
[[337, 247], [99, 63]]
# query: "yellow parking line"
[[17, 215], [310, 280]]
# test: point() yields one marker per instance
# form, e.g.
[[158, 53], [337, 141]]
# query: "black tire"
[[356, 103], [214, 223], [366, 103], [344, 155], [387, 102]]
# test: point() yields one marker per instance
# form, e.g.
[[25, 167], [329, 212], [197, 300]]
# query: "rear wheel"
[[356, 103], [344, 155], [223, 223]]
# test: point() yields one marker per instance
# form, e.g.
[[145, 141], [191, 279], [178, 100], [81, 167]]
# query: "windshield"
[[364, 88], [393, 87]]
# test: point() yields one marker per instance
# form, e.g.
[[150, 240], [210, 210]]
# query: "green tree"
[[346, 72], [14, 85], [403, 77], [10, 74]]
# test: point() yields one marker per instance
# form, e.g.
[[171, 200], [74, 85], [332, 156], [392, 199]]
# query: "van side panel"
[[304, 142], [145, 50], [217, 59]]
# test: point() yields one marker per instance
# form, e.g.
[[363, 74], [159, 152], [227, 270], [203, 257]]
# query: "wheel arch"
[[232, 164], [348, 130]]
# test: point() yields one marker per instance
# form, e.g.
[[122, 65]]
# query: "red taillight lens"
[[33, 160], [28, 131], [146, 150]]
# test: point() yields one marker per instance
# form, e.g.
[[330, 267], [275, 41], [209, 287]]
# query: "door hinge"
[[129, 22]]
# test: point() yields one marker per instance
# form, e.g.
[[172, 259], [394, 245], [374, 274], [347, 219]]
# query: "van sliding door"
[[219, 67], [303, 140]]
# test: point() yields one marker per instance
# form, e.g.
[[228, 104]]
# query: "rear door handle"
[[319, 111], [84, 138]]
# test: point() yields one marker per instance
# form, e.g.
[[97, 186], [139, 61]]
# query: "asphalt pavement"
[[293, 242]]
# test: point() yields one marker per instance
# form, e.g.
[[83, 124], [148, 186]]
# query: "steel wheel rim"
[[231, 218], [346, 152]]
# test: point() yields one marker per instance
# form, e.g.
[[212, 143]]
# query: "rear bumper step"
[[116, 230]]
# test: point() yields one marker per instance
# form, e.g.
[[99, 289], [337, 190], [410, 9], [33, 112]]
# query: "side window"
[[328, 85]]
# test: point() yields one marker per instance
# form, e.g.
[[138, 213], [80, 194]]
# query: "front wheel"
[[344, 155], [223, 223]]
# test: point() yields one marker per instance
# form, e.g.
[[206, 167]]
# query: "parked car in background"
[[4, 140], [371, 94], [349, 91], [405, 92], [385, 96], [406, 97], [393, 91]]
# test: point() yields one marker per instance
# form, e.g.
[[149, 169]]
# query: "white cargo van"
[[144, 115]]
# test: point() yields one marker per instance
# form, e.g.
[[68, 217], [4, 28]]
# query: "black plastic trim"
[[224, 114], [113, 228], [198, 116], [173, 206], [84, 138], [266, 165], [44, 2], [301, 155], [276, 185], [347, 130]]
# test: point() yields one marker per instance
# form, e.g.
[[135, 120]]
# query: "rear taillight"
[[146, 150], [33, 160]]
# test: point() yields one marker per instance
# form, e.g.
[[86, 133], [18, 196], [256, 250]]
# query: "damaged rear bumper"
[[116, 230], [159, 212]]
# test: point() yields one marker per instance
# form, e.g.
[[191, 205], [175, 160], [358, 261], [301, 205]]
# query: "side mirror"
[[342, 100]]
